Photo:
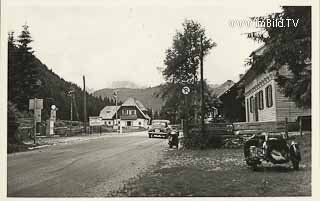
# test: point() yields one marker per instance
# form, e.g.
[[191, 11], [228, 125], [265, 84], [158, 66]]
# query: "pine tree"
[[12, 68], [27, 83]]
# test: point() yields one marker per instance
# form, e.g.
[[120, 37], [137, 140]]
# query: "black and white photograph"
[[159, 99]]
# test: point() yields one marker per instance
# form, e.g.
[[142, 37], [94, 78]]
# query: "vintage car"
[[159, 128], [271, 148]]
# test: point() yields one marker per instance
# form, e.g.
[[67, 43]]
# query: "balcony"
[[128, 117]]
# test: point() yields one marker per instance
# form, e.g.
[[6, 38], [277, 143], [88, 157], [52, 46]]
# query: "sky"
[[126, 40]]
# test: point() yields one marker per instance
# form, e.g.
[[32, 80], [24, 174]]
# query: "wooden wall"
[[286, 108]]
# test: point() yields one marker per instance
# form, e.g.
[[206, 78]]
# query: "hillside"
[[146, 95], [53, 89]]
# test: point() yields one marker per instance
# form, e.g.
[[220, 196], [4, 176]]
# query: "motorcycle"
[[272, 149], [173, 139]]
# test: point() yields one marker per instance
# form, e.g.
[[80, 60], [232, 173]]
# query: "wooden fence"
[[241, 128]]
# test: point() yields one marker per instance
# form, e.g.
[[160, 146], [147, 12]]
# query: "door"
[[256, 115], [128, 123]]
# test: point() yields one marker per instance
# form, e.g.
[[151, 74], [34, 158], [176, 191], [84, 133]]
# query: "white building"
[[131, 113]]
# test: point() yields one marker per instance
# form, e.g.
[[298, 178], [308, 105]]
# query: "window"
[[260, 100], [128, 112], [269, 100], [251, 104]]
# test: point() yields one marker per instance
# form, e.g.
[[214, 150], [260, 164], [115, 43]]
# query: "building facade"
[[264, 100], [131, 113]]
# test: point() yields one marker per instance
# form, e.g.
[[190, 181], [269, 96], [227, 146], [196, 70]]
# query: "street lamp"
[[70, 93]]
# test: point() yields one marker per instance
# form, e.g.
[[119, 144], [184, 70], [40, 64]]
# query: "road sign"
[[38, 104], [185, 90], [95, 121], [37, 115]]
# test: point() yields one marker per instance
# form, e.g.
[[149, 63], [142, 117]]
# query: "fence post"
[[286, 128]]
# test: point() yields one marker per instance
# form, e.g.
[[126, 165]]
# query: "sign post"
[[185, 90], [36, 105], [95, 122]]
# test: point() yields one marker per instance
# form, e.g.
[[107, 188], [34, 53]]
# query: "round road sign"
[[185, 90]]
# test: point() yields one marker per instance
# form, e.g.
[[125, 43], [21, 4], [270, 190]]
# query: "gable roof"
[[133, 102], [140, 105], [252, 71], [108, 112]]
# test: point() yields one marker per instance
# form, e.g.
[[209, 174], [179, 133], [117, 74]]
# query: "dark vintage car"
[[159, 128]]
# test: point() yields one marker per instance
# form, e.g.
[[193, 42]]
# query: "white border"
[[177, 3]]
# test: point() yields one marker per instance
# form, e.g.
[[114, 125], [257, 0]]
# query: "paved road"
[[87, 168]]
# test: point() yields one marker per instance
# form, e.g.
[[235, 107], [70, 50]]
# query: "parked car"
[[160, 128]]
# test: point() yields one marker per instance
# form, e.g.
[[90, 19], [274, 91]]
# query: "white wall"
[[260, 83]]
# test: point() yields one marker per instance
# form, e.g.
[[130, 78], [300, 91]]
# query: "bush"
[[196, 140], [293, 126], [12, 124]]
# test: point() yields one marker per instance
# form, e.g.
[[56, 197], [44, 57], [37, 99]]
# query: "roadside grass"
[[12, 148], [220, 172]]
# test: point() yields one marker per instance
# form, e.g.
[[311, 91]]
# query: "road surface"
[[91, 168]]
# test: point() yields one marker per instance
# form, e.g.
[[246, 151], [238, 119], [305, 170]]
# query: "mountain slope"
[[146, 95]]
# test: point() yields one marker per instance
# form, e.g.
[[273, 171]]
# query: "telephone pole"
[[202, 86], [84, 105]]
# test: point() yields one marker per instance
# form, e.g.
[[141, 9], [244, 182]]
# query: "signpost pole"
[[35, 120], [84, 106], [185, 91]]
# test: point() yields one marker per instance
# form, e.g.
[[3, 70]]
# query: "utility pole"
[[116, 97], [202, 86], [84, 105], [71, 107]]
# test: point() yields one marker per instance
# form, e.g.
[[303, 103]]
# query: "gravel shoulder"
[[221, 172]]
